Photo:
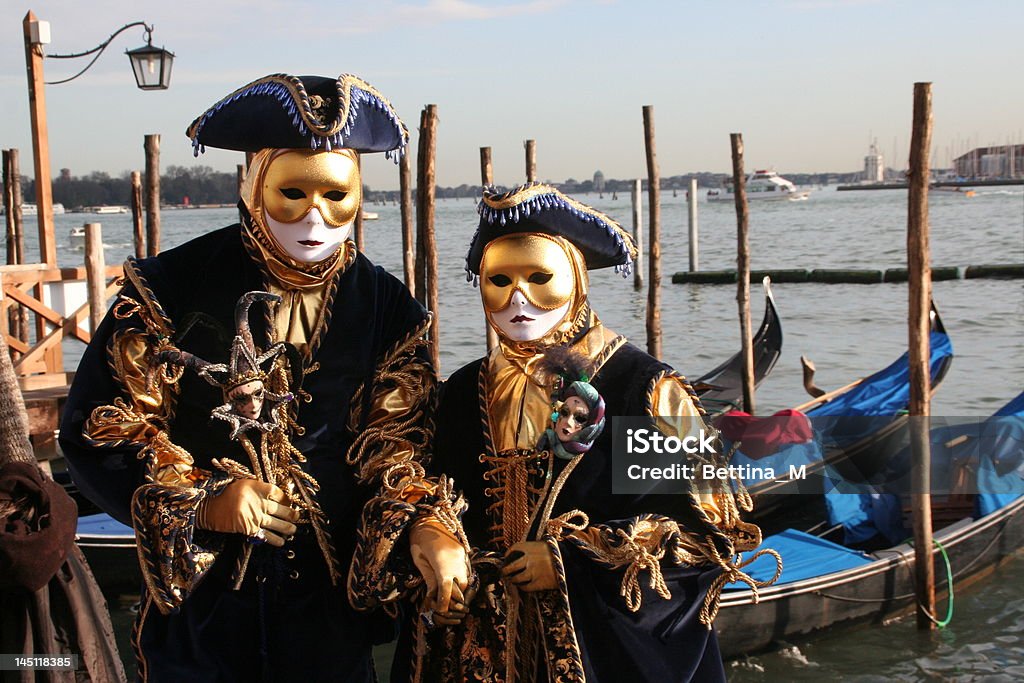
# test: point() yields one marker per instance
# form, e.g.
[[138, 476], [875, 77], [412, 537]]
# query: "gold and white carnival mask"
[[310, 200], [529, 283]]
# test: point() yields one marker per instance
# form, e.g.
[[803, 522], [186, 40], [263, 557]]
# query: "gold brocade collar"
[[595, 346], [289, 273]]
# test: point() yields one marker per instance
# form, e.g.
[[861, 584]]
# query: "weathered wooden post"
[[357, 229], [486, 168], [239, 176], [691, 200], [41, 153], [739, 182], [638, 234], [152, 147], [138, 236], [17, 315], [408, 239], [487, 179], [654, 200], [920, 287], [427, 246], [531, 160], [95, 274]]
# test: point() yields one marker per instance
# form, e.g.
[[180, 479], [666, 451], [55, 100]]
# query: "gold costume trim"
[[398, 424]]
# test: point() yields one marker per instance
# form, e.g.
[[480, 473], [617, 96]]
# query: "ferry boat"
[[764, 185], [33, 210]]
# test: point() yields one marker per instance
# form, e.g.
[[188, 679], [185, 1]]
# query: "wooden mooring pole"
[[408, 239], [138, 235], [357, 228], [427, 245], [691, 200], [654, 237], [41, 154], [17, 315], [95, 274], [486, 180], [531, 160], [743, 270], [152, 147], [638, 234], [920, 286]]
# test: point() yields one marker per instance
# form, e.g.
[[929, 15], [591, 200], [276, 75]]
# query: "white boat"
[[33, 210], [370, 216], [107, 209], [762, 186], [77, 236]]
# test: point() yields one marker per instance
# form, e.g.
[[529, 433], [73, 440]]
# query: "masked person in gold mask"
[[577, 582], [265, 562]]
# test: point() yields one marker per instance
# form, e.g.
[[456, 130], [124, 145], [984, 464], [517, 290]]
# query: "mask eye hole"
[[293, 193], [335, 195], [500, 280], [540, 278]]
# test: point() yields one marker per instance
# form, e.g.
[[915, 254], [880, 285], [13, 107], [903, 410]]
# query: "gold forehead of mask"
[[535, 264], [298, 180]]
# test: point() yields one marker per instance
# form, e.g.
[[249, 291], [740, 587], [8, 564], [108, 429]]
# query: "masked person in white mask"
[[262, 542], [576, 583]]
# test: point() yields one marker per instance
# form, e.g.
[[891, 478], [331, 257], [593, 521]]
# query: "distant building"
[[874, 167], [598, 181], [1005, 161]]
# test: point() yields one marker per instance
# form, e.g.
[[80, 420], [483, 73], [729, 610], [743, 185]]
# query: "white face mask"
[[308, 239], [521, 321]]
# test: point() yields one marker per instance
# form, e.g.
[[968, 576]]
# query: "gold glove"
[[443, 562], [530, 566], [249, 507]]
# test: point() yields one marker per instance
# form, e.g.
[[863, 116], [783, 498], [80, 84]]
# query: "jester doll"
[[254, 395], [576, 583]]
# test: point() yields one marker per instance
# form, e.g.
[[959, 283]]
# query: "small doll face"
[[527, 285], [247, 399], [310, 200], [572, 417]]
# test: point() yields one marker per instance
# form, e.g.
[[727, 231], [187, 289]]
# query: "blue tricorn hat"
[[536, 207], [302, 112]]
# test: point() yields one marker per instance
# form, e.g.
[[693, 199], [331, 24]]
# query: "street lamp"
[[152, 68]]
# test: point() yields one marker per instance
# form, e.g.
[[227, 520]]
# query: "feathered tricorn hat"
[[536, 207], [302, 112]]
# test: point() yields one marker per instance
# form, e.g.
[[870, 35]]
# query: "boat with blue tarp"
[[840, 562]]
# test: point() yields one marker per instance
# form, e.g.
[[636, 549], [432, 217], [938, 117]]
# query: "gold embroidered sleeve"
[[394, 437], [163, 508], [140, 417], [677, 412]]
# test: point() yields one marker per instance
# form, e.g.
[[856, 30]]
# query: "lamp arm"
[[99, 50]]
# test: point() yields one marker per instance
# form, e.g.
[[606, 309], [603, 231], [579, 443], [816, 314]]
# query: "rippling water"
[[849, 330]]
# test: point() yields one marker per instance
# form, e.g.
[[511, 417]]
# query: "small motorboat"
[[763, 185]]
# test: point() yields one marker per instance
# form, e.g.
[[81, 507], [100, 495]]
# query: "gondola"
[[826, 582], [721, 389], [858, 428]]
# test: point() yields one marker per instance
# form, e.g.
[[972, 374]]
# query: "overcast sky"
[[809, 83]]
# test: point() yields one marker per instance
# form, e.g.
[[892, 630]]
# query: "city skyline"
[[810, 83]]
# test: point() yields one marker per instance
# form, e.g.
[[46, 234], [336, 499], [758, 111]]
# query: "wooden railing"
[[38, 358]]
